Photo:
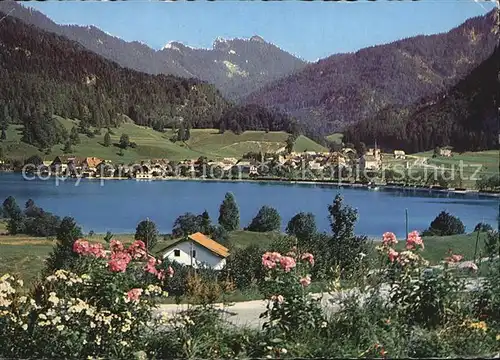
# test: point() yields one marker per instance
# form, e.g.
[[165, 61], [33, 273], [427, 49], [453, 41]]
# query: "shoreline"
[[333, 183]]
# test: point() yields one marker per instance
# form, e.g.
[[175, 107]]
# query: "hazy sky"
[[310, 30]]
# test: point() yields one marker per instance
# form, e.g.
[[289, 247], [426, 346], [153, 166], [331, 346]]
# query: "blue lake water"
[[119, 205]]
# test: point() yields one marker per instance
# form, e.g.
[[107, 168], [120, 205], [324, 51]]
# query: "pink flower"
[[84, 248], [81, 246], [454, 258], [116, 246], [137, 250], [134, 294], [305, 281], [170, 271], [119, 261], [151, 266], [278, 298], [414, 240], [389, 239], [308, 257], [287, 263], [160, 275], [269, 259], [97, 250], [393, 254]]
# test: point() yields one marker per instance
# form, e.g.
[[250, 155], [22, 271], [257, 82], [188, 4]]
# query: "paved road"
[[247, 313]]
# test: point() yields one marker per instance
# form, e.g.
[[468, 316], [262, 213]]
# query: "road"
[[247, 313]]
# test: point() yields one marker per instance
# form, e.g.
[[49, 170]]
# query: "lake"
[[119, 205]]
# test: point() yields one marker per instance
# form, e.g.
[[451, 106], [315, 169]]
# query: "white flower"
[[56, 320], [25, 327], [284, 351], [20, 282], [60, 327]]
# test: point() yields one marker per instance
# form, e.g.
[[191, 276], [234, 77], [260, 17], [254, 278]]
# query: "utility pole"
[[406, 222]]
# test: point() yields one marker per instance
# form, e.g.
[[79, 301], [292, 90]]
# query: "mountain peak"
[[257, 38]]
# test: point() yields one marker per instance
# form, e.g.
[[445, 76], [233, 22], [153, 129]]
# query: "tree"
[[147, 232], [108, 237], [10, 207], [62, 256], [437, 151], [107, 139], [445, 224], [483, 227], [267, 219], [181, 133], [219, 234], [67, 147], [30, 203], [229, 214], [34, 160], [187, 224], [74, 138], [344, 247], [124, 141], [302, 226], [290, 142], [205, 222]]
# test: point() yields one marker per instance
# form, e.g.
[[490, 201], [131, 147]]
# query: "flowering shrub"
[[103, 308], [421, 295], [289, 309]]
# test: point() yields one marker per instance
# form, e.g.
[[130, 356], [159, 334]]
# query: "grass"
[[337, 137], [155, 144]]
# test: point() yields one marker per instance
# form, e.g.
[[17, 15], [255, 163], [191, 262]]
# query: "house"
[[374, 152], [314, 165], [89, 166], [399, 154], [104, 169], [253, 170], [60, 164], [348, 150], [243, 166], [197, 250], [336, 158], [369, 162], [446, 152]]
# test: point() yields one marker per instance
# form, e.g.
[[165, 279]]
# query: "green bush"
[[445, 224]]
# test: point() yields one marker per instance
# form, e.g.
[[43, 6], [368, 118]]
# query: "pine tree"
[[74, 138], [107, 139], [229, 214]]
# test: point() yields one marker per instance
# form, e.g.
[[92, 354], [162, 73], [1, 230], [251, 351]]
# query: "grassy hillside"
[[154, 144], [337, 137]]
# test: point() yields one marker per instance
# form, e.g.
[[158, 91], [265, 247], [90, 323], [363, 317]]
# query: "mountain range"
[[465, 117], [347, 88], [377, 92], [236, 67]]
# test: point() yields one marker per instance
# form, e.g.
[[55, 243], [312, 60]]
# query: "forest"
[[465, 117], [43, 74], [344, 89]]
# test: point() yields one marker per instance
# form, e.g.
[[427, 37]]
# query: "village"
[[250, 165]]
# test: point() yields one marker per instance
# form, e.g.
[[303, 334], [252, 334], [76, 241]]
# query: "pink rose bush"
[[102, 308], [287, 277]]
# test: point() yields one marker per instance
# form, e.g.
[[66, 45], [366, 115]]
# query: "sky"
[[309, 30]]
